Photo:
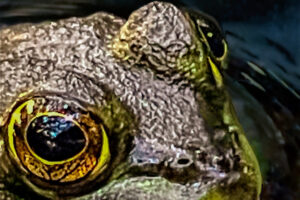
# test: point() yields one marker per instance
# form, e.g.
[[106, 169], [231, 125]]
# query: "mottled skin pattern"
[[155, 65]]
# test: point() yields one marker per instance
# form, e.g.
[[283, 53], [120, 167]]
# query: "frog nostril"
[[183, 161]]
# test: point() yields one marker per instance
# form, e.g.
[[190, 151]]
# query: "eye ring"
[[94, 159]]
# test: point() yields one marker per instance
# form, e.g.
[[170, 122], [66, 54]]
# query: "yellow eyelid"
[[105, 154], [216, 73], [16, 117]]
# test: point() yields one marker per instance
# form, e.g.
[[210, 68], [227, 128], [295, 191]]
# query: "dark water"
[[264, 33]]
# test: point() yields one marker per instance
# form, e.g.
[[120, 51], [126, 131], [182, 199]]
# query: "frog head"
[[104, 108]]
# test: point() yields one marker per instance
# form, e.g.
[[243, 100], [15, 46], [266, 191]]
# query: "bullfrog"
[[106, 108]]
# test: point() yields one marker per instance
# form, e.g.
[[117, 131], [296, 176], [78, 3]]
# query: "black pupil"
[[55, 138]]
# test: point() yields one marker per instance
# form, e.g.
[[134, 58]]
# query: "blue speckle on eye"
[[45, 119], [53, 134], [63, 126]]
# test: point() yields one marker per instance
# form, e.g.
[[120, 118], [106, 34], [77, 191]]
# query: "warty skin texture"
[[182, 139]]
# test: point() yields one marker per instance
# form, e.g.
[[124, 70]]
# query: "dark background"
[[13, 11], [264, 32]]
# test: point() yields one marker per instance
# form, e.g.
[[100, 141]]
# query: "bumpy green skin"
[[172, 130]]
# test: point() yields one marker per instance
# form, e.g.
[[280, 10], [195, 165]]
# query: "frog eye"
[[209, 30], [215, 41], [57, 141]]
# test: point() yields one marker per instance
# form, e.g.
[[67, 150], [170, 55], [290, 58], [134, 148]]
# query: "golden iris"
[[57, 141]]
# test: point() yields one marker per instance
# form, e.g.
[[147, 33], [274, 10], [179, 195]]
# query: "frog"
[[100, 107]]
